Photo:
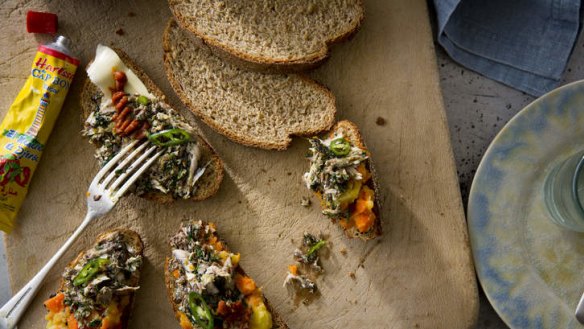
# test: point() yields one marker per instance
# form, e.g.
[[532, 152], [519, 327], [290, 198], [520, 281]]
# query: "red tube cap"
[[38, 22]]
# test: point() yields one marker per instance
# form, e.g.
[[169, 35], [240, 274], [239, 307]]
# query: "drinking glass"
[[564, 193]]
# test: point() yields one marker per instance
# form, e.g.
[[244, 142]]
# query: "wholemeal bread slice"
[[209, 183], [174, 276], [278, 35], [254, 109], [130, 241], [351, 133]]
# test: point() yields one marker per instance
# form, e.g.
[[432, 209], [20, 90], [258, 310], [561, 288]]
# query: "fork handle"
[[580, 310], [11, 312]]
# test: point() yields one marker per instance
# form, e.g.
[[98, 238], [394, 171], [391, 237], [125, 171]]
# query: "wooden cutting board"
[[418, 275]]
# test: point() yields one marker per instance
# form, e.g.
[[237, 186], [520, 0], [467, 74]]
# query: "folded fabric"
[[525, 44]]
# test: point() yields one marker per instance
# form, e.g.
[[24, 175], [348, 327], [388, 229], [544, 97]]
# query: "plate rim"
[[506, 318]]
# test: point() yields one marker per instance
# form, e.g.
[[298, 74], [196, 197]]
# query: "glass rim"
[[575, 178]]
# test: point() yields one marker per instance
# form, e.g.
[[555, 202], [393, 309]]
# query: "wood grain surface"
[[419, 274]]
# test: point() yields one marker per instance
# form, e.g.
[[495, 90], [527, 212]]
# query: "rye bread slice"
[[209, 183], [352, 133], [169, 279], [132, 239], [274, 35], [254, 109]]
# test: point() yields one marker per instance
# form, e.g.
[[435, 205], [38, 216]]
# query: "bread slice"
[[351, 132], [171, 280], [278, 35], [255, 109], [133, 243], [209, 183]]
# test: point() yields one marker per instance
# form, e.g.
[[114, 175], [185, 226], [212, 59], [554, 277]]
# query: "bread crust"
[[266, 63], [277, 321], [132, 239], [242, 139], [211, 180], [353, 134]]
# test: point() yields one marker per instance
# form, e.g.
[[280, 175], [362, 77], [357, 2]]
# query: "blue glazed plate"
[[531, 270]]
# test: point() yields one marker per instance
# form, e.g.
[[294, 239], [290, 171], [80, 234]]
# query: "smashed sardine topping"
[[332, 172], [176, 172]]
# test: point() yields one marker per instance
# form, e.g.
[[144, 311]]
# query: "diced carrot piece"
[[218, 246], [293, 269], [362, 206], [345, 223], [185, 323], [222, 309], [112, 319], [366, 193], [72, 323], [214, 241], [55, 304], [364, 172], [365, 201], [245, 284], [110, 323], [176, 273], [105, 323], [364, 221], [254, 299]]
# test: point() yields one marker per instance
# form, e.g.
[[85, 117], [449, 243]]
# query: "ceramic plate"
[[531, 270]]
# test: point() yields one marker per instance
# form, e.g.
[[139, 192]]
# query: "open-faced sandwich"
[[206, 286], [97, 288], [342, 177], [120, 104]]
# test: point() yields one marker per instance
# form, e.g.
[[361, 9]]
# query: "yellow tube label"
[[27, 126]]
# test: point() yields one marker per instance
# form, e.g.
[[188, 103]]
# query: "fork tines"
[[126, 172]]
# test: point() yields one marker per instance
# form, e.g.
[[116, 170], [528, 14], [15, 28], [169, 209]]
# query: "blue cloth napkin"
[[522, 43]]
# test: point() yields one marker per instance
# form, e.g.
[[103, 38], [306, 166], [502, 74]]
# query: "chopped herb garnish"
[[315, 248], [95, 323]]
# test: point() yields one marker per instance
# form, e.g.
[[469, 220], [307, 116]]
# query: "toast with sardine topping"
[[121, 104], [342, 176], [208, 288], [97, 288]]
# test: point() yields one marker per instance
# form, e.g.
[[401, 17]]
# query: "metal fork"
[[102, 195]]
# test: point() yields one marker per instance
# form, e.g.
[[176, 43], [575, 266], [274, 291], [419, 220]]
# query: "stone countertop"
[[477, 108]]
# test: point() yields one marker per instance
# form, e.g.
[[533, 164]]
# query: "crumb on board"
[[120, 31], [131, 14], [380, 121], [343, 252], [352, 275], [305, 202]]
